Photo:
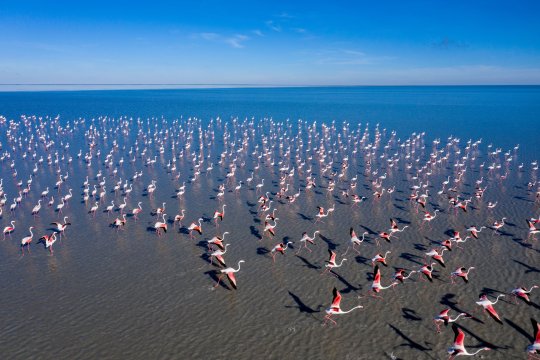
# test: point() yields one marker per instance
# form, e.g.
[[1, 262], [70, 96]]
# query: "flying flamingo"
[[307, 239], [428, 217], [335, 308], [270, 228], [379, 258], [532, 229], [427, 271], [25, 242], [474, 231], [331, 262], [218, 241], [443, 317], [462, 273], [218, 254], [9, 229], [355, 241], [321, 214], [229, 272], [395, 228], [523, 293], [458, 348], [437, 255], [401, 276], [534, 348], [376, 286], [161, 225], [195, 227], [488, 306], [497, 225], [279, 248]]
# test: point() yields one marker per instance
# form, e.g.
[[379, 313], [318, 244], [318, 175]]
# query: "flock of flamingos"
[[301, 157]]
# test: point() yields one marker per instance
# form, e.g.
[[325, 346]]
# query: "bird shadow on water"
[[529, 268], [349, 287], [410, 315], [307, 263], [331, 245], [303, 307], [255, 232], [304, 217], [411, 257], [262, 251], [409, 342], [482, 341], [519, 329]]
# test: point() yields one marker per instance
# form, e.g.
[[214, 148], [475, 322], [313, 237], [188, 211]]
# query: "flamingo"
[[219, 215], [427, 271], [474, 231], [458, 348], [119, 223], [25, 242], [61, 227], [49, 241], [36, 208], [179, 217], [270, 228], [59, 207], [379, 258], [122, 206], [497, 225], [307, 239], [160, 210], [355, 241], [443, 317], [279, 248], [9, 229], [376, 286], [437, 255], [488, 306], [462, 273], [93, 209], [218, 254], [523, 293], [335, 308], [400, 275], [331, 263], [195, 227], [532, 229], [229, 272], [321, 214], [110, 208], [534, 348], [161, 225], [137, 211], [218, 241]]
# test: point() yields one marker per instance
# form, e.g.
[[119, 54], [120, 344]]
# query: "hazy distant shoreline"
[[83, 87]]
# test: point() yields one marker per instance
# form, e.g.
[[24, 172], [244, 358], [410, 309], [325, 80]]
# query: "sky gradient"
[[270, 42]]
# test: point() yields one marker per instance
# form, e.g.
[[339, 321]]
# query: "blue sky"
[[271, 42]]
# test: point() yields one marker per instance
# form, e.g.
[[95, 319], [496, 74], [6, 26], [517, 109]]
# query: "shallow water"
[[128, 293]]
